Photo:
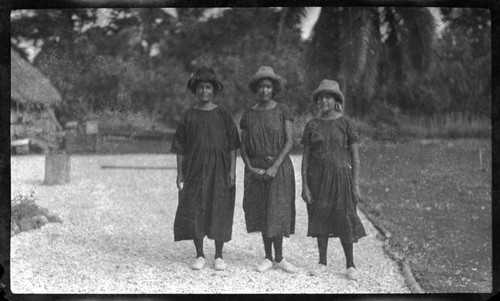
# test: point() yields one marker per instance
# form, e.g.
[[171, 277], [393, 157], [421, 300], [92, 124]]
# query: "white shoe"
[[285, 266], [198, 264], [352, 273], [265, 265], [318, 270], [219, 264]]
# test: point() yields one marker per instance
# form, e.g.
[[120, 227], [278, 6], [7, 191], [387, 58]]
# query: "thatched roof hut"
[[29, 86], [32, 99]]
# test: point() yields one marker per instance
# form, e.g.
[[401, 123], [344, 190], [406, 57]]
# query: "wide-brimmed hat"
[[204, 74], [265, 72], [329, 86]]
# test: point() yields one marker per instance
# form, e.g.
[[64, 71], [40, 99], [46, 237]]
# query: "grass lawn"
[[435, 199]]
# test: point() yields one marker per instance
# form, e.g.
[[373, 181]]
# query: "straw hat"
[[329, 86], [204, 74], [265, 72]]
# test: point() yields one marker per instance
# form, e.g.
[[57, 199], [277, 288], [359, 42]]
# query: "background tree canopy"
[[139, 59]]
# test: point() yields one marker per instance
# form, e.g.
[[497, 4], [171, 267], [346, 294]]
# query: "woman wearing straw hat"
[[269, 193], [205, 142], [330, 176]]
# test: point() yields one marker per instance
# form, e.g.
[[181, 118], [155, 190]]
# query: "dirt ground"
[[117, 238]]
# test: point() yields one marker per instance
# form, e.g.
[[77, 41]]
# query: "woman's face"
[[325, 102], [265, 90], [205, 91]]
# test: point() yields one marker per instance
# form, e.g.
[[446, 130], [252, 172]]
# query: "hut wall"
[[17, 128], [17, 131], [37, 123], [14, 116]]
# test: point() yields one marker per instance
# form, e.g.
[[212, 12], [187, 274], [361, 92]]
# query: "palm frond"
[[296, 15]]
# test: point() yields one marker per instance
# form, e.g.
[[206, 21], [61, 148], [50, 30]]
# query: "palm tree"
[[365, 47]]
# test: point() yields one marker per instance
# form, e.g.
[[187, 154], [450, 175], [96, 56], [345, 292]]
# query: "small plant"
[[27, 215]]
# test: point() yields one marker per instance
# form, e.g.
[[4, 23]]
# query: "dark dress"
[[206, 203], [269, 205], [329, 176]]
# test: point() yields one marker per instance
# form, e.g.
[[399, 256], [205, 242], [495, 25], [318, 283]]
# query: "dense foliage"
[[388, 60]]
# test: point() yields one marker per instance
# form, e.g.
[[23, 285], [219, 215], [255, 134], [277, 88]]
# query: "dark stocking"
[[198, 244], [322, 248], [218, 249], [349, 257], [278, 248], [268, 245]]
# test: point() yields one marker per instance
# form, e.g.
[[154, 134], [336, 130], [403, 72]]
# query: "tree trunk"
[[57, 168], [281, 26]]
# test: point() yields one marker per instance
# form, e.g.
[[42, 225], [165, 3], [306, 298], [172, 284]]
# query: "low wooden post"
[[92, 130], [57, 168]]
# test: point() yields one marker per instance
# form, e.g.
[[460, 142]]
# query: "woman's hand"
[[271, 172], [257, 172], [232, 178], [179, 181], [306, 195]]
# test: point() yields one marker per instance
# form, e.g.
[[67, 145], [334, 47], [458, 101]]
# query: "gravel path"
[[117, 238]]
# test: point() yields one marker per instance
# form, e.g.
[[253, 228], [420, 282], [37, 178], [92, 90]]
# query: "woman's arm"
[[180, 176], [306, 192], [232, 170], [287, 147], [243, 149], [353, 148]]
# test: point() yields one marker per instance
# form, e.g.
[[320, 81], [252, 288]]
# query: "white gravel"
[[117, 237]]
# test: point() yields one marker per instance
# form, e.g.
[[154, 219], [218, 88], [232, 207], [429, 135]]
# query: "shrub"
[[27, 215], [447, 126]]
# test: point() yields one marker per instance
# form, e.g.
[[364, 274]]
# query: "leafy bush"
[[446, 126], [386, 125], [27, 215]]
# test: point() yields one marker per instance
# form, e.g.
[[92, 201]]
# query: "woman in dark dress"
[[205, 142], [330, 176], [269, 193]]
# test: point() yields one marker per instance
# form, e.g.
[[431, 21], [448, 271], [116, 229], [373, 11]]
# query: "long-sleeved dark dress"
[[329, 176], [206, 203], [269, 205]]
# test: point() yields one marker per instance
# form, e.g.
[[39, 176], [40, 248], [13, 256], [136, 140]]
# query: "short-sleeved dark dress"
[[206, 203], [329, 176], [269, 205]]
